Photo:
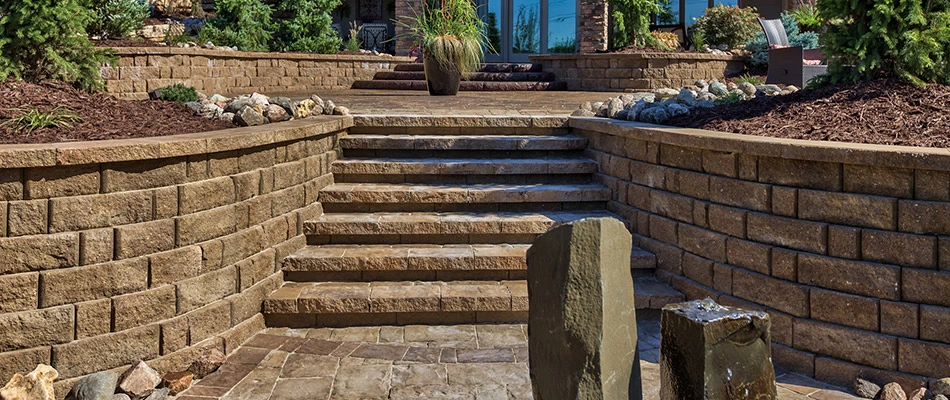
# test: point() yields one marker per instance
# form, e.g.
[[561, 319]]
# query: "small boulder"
[[701, 84], [36, 385], [792, 88], [747, 89], [155, 94], [585, 106], [580, 112], [98, 386], [304, 108], [770, 89], [892, 391], [210, 111], [194, 106], [920, 394], [622, 114], [941, 387], [318, 101], [613, 107], [340, 110], [940, 397], [676, 110], [249, 116], [121, 396], [237, 104], [286, 103], [275, 113], [718, 88], [158, 394], [259, 100], [207, 363], [139, 380], [686, 97], [666, 93], [705, 104], [177, 382], [217, 98], [227, 117], [328, 107], [654, 115], [866, 389]]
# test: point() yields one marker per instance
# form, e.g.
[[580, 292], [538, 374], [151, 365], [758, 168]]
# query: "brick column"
[[593, 26], [405, 8]]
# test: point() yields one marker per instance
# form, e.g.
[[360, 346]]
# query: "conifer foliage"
[[46, 39], [309, 29], [868, 39]]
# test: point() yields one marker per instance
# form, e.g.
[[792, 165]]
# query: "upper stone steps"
[[463, 142], [477, 76], [487, 67], [462, 166]]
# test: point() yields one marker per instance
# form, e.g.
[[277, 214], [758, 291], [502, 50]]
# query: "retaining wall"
[[847, 247], [155, 249], [632, 72], [237, 72]]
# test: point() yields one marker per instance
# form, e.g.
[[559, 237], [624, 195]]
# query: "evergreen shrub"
[[309, 28], [117, 18], [242, 23], [728, 25]]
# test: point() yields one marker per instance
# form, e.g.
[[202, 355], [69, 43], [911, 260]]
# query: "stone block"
[[27, 217], [93, 318], [784, 264], [681, 157], [145, 238], [923, 286], [143, 174], [698, 269], [720, 163], [241, 245], [793, 360], [722, 278], [174, 335], [166, 202], [924, 358], [99, 211], [14, 362], [11, 184], [43, 327], [881, 181], [728, 220], [204, 195], [205, 289], [899, 248], [709, 351], [289, 174], [839, 208], [582, 311], [246, 185], [139, 381], [264, 158], [855, 345], [932, 185], [785, 201], [137, 309], [844, 242], [209, 320], [800, 173], [19, 292], [918, 217], [671, 205], [900, 319], [103, 352], [663, 229], [692, 184], [739, 193], [749, 255], [96, 246], [787, 232], [702, 242], [845, 309], [856, 277], [256, 268], [93, 282], [40, 252], [49, 182], [773, 293], [205, 225], [175, 265], [934, 322]]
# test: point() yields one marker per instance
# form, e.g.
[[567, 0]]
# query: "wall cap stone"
[[459, 121], [636, 56], [105, 151], [191, 51], [810, 150]]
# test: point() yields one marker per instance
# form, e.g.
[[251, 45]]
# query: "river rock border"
[[156, 249], [846, 246]]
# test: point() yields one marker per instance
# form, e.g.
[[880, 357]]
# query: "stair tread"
[[465, 86], [470, 193], [486, 67], [456, 142], [477, 76], [552, 216], [407, 257], [463, 166], [652, 294]]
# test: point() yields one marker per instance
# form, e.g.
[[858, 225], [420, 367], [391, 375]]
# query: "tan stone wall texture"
[[140, 70], [847, 247], [636, 72], [155, 249]]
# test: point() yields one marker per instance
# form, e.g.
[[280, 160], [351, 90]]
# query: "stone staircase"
[[434, 229], [491, 77]]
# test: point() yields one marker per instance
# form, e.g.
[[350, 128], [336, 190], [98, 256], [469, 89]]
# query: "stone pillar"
[[593, 25], [405, 9], [582, 327], [713, 352]]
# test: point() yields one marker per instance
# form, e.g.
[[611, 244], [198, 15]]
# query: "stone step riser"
[[464, 86], [364, 194], [464, 154], [477, 76], [488, 238], [463, 167], [460, 207], [400, 276], [488, 67], [425, 128], [376, 319], [514, 144], [516, 179]]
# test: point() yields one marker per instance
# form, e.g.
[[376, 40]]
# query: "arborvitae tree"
[[868, 39], [242, 23], [46, 39], [309, 27], [631, 21]]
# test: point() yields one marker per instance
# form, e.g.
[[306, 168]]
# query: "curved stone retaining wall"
[[141, 69], [633, 72], [154, 249], [846, 246]]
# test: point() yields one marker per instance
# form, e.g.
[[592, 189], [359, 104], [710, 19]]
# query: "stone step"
[[641, 259], [465, 86], [477, 76], [301, 304], [462, 166], [437, 227], [487, 67], [388, 193], [464, 142]]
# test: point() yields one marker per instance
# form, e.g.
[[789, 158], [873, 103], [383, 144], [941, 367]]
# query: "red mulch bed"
[[103, 116], [877, 112]]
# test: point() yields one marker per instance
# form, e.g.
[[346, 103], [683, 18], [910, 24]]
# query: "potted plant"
[[452, 37]]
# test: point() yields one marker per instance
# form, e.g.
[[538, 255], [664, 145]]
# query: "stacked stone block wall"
[[140, 70], [156, 249], [847, 247], [636, 72]]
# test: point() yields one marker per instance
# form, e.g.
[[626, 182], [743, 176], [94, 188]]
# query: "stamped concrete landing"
[[417, 362]]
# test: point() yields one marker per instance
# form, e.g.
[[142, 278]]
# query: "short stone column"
[[714, 352], [582, 326]]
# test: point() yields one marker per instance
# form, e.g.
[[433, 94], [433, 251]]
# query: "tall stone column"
[[593, 26], [404, 9]]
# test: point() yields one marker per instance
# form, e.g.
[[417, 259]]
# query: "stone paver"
[[478, 362]]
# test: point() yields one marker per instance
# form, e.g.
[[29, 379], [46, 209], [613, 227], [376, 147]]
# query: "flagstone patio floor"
[[417, 362]]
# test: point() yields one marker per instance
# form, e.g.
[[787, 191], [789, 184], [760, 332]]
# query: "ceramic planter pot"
[[439, 81]]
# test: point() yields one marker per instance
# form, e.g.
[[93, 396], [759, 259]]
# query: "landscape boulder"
[[139, 380], [36, 385], [207, 363], [249, 116], [98, 386]]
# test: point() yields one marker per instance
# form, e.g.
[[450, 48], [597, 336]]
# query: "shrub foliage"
[[46, 39], [631, 21], [179, 92], [309, 28], [242, 23], [117, 18], [868, 39], [731, 26]]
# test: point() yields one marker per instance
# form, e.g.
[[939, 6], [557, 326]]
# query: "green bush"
[[731, 26], [908, 39], [117, 18], [46, 39], [309, 28], [631, 21], [28, 119], [242, 23], [759, 45], [807, 16], [179, 92]]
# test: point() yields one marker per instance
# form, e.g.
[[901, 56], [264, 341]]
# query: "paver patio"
[[487, 361]]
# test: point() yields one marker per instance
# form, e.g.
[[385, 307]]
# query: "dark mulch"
[[877, 112], [126, 43], [103, 116]]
